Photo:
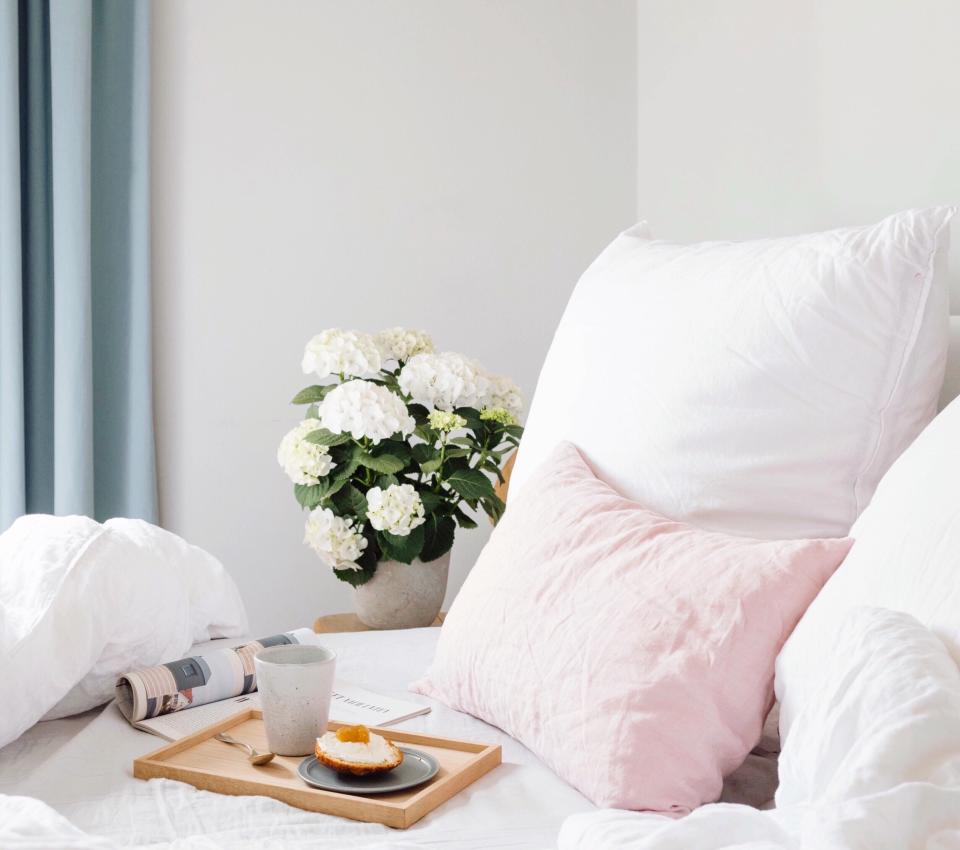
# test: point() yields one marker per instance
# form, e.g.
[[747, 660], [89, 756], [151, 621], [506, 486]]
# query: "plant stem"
[[443, 452]]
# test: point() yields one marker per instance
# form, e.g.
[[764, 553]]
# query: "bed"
[[68, 783], [81, 767]]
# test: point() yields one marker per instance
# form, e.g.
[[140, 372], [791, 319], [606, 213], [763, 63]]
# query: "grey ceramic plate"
[[416, 768]]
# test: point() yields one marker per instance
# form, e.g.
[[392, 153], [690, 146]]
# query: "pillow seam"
[[908, 349]]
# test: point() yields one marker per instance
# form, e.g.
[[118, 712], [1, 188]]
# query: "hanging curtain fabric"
[[76, 417]]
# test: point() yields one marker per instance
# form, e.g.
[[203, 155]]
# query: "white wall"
[[759, 118], [446, 164]]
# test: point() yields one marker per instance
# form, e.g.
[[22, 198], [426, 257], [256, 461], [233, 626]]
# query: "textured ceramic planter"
[[403, 596]]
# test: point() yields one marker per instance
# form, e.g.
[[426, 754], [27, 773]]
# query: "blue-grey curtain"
[[76, 418]]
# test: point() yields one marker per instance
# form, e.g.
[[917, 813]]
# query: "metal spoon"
[[253, 756]]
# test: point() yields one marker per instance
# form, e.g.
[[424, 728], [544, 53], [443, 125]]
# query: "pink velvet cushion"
[[631, 653]]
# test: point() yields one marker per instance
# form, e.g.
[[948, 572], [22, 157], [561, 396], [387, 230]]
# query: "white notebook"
[[350, 704]]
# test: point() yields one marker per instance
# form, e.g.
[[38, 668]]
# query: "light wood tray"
[[213, 765]]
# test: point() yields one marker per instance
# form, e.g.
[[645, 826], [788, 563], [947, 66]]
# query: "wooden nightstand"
[[351, 623]]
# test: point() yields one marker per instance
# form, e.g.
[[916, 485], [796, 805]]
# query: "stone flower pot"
[[403, 596]]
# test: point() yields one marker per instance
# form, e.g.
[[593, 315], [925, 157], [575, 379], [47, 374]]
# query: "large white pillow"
[[758, 388], [906, 556]]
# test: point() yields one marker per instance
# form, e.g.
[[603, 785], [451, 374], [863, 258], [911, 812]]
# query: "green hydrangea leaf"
[[439, 532], [323, 437], [385, 463], [431, 465], [431, 501], [463, 520], [403, 549], [311, 395], [472, 415], [396, 448], [494, 507], [350, 502], [310, 495], [427, 434], [418, 412], [367, 563], [423, 452], [470, 483]]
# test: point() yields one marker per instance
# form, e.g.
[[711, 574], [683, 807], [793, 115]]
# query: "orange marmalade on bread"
[[356, 734]]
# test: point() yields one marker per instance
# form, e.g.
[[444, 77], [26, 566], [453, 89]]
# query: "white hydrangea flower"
[[398, 509], [304, 463], [334, 539], [364, 409], [444, 381], [338, 352], [498, 414], [444, 420], [503, 392], [403, 343]]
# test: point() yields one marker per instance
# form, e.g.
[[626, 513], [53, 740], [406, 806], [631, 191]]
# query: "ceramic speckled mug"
[[295, 683]]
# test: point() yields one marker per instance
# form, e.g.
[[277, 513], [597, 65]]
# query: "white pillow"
[[884, 709], [906, 556], [758, 388]]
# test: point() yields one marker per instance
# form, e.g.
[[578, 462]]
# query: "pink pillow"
[[632, 653]]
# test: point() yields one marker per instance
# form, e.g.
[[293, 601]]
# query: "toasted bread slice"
[[355, 768]]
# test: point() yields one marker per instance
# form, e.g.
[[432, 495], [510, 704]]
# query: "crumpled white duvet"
[[81, 603], [872, 763]]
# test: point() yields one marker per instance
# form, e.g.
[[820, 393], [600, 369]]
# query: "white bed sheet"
[[82, 768], [88, 779], [40, 744]]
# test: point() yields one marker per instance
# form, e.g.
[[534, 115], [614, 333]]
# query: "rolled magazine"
[[215, 675], [223, 680]]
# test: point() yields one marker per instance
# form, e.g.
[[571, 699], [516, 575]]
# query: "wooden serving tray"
[[213, 765]]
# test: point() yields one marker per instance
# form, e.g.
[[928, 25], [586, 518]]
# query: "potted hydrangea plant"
[[396, 440]]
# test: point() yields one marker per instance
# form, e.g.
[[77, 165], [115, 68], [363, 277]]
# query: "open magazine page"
[[222, 681], [179, 724], [352, 704]]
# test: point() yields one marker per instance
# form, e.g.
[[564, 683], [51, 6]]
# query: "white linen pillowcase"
[[906, 556], [758, 388]]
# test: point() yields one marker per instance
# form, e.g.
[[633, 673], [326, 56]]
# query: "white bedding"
[[874, 760], [871, 763], [38, 745], [889, 698], [82, 602], [81, 767], [521, 804]]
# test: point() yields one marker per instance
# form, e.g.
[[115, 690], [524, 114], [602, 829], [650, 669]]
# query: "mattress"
[[81, 766]]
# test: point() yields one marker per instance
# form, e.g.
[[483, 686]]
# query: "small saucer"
[[416, 768]]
